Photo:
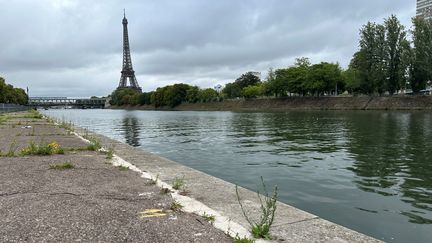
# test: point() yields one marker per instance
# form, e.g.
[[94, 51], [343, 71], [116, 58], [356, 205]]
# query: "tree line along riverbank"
[[391, 60], [301, 103]]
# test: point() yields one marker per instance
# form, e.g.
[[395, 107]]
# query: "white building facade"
[[424, 8]]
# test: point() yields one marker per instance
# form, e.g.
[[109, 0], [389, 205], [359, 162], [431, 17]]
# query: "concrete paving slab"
[[92, 202]]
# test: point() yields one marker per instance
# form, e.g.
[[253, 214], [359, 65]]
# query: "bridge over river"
[[66, 101]]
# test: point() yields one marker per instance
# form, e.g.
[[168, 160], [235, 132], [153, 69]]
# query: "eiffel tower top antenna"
[[127, 73]]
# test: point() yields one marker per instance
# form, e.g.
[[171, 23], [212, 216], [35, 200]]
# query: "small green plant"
[[86, 133], [165, 190], [176, 206], [42, 149], [66, 125], [261, 228], [239, 239], [209, 217], [123, 168], [12, 149], [3, 118], [110, 153], [64, 166], [179, 183], [94, 144], [34, 114]]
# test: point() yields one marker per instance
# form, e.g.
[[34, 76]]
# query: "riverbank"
[[303, 103], [73, 192], [92, 200]]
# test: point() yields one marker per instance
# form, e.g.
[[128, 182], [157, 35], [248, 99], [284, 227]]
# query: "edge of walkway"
[[208, 195]]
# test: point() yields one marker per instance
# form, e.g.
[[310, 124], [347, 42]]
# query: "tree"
[[176, 94], [11, 95], [145, 98], [192, 94], [247, 79], [395, 43], [421, 70], [324, 77], [352, 80], [207, 95], [125, 96], [277, 83], [232, 90], [252, 91], [372, 57]]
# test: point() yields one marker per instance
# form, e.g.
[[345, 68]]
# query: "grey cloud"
[[74, 47]]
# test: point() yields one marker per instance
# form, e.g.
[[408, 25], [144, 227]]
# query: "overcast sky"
[[74, 47]]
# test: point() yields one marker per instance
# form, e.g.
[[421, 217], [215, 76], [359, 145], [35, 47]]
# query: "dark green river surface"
[[370, 171]]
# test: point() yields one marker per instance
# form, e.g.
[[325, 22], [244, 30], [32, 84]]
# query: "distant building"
[[424, 8]]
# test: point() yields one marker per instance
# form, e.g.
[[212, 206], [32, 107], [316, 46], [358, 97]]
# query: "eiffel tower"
[[127, 72]]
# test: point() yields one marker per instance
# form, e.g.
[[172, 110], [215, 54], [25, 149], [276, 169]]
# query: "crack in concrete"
[[108, 197], [295, 222], [10, 194]]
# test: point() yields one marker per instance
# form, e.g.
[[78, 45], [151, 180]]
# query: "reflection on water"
[[369, 171], [393, 158], [131, 130]]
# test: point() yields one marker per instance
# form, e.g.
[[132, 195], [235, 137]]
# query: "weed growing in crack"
[[239, 239], [123, 168], [110, 153], [261, 228], [209, 217], [86, 133], [179, 183], [94, 144], [165, 190], [42, 149], [176, 206], [66, 125], [12, 149], [64, 166]]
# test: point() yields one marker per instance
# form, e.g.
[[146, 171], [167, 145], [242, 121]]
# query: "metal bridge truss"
[[65, 101]]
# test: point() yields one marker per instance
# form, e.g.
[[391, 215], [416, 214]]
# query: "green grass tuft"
[[94, 144], [238, 239], [64, 166], [42, 149], [209, 217], [123, 168], [179, 183], [175, 206]]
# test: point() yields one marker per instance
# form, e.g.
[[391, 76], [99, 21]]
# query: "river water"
[[370, 171]]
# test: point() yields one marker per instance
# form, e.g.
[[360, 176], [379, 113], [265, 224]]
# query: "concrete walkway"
[[92, 202]]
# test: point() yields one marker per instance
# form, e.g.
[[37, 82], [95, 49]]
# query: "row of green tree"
[[386, 62], [171, 95], [11, 95], [302, 78]]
